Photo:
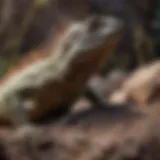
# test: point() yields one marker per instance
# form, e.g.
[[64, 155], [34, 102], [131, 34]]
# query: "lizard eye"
[[95, 25]]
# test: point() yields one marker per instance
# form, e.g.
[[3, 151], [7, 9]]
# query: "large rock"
[[141, 88]]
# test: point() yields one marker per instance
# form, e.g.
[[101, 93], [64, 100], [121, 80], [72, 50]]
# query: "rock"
[[141, 88], [99, 133]]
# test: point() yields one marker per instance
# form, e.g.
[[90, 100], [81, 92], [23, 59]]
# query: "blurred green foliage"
[[40, 3], [6, 63]]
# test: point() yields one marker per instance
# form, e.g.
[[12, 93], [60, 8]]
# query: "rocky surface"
[[108, 134]]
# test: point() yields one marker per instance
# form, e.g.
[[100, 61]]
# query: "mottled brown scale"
[[53, 94], [63, 93]]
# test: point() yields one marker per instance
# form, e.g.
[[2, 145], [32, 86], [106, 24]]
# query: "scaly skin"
[[38, 84]]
